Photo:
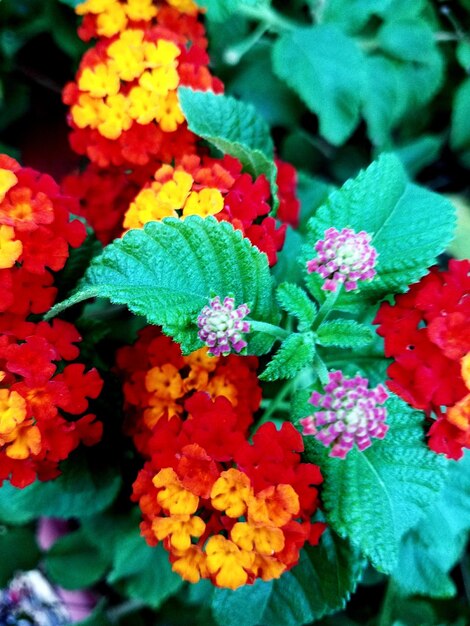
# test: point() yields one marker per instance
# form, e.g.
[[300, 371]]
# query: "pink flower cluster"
[[351, 414], [344, 257], [221, 326]]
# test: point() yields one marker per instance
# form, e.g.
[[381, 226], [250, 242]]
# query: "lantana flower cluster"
[[41, 397], [123, 105], [226, 509], [125, 116], [427, 333], [158, 380]]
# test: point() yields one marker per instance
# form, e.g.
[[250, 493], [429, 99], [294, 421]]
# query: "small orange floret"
[[228, 562], [174, 497], [179, 528], [274, 506], [231, 492]]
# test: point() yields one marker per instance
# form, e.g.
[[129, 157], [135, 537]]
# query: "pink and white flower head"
[[221, 326], [350, 414], [344, 257]]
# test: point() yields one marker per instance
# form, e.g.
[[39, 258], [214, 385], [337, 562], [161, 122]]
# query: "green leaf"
[[295, 353], [463, 54], [419, 153], [433, 547], [345, 334], [169, 270], [350, 16], [295, 301], [74, 563], [409, 225], [220, 10], [253, 81], [307, 59], [79, 491], [19, 552], [139, 571], [234, 128], [374, 497], [320, 584], [408, 40], [460, 126]]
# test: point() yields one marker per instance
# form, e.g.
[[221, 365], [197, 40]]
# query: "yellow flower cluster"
[[164, 199], [151, 65], [113, 16]]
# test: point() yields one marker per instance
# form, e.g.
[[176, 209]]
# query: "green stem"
[[386, 612], [233, 55], [326, 308], [281, 406], [277, 402], [269, 329], [271, 18], [115, 613]]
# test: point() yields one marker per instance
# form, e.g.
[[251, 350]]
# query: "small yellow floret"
[[162, 53], [231, 492], [205, 202], [93, 6], [26, 440], [169, 115], [115, 117], [127, 56], [10, 248], [138, 10], [111, 21], [7, 180], [143, 105], [184, 6], [173, 496], [228, 562], [99, 81], [180, 529], [12, 411]]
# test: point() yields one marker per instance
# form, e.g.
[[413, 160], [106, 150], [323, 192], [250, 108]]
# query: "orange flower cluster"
[[226, 509], [158, 380], [123, 105], [35, 235]]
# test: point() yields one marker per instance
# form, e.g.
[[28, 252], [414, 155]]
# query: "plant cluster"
[[268, 409]]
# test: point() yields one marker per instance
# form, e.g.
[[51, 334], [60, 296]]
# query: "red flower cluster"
[[124, 107], [427, 332], [226, 509], [158, 380], [34, 435], [35, 235]]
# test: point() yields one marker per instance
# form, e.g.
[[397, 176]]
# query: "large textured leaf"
[[234, 128], [409, 225], [431, 549], [308, 59], [374, 497], [320, 584], [168, 271]]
